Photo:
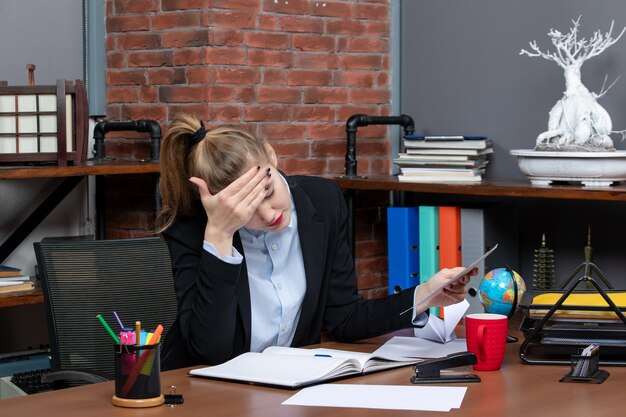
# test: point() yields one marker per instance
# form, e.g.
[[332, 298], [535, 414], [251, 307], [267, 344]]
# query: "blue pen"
[[323, 355]]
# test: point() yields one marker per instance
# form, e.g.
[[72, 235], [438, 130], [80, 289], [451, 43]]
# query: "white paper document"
[[389, 397], [442, 331], [414, 347]]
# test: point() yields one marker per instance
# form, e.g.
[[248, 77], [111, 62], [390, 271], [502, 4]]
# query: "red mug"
[[485, 334]]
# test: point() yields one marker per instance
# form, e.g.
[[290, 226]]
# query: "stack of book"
[[443, 158], [12, 280]]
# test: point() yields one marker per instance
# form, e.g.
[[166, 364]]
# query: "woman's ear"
[[271, 153]]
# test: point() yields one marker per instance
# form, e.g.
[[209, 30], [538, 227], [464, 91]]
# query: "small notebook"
[[296, 367]]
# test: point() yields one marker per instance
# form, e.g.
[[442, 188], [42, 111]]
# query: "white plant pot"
[[589, 168]]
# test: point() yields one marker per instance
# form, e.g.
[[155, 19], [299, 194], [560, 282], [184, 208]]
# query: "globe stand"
[[509, 338]]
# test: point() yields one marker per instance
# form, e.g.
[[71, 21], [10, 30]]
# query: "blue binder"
[[403, 250]]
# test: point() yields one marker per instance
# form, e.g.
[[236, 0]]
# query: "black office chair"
[[84, 278]]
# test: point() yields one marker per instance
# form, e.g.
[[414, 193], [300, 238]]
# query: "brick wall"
[[294, 70]]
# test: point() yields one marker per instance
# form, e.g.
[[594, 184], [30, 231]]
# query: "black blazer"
[[213, 323]]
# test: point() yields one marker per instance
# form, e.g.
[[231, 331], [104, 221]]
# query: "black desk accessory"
[[585, 367], [540, 332], [429, 371]]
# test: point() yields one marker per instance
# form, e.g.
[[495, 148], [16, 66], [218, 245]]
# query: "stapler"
[[429, 371]]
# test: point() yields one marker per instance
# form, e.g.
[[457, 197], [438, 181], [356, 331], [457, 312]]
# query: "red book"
[[449, 239]]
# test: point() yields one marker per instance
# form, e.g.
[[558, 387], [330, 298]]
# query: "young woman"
[[260, 258]]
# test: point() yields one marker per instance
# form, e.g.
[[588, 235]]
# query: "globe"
[[496, 290]]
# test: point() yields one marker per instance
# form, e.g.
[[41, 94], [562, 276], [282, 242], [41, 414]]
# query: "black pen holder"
[[137, 376], [585, 369]]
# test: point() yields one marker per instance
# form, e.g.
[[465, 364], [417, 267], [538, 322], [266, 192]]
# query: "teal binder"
[[429, 244], [403, 248], [429, 241]]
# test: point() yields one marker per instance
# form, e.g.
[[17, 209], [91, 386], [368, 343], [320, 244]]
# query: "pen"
[[107, 328], [137, 333], [322, 355], [118, 320]]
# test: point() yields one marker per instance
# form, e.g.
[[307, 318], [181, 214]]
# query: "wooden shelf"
[[34, 296], [488, 188], [107, 167]]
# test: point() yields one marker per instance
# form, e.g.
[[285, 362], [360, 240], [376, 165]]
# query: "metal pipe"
[[149, 126]]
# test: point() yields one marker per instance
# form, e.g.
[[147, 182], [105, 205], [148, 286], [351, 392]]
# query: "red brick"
[[371, 248], [273, 76], [138, 41], [361, 62], [201, 111], [116, 59], [291, 149], [310, 113], [135, 6], [127, 23], [330, 8], [300, 24], [369, 96], [345, 27], [189, 56], [269, 58], [326, 131], [309, 77], [225, 37], [155, 112], [313, 42], [361, 79], [183, 94], [227, 113], [377, 28], [267, 40], [228, 18], [244, 94], [297, 7], [267, 22], [187, 38], [265, 113], [150, 59], [225, 56], [278, 95], [166, 76], [371, 11], [148, 94], [254, 5], [368, 45], [122, 95], [185, 4], [126, 77], [316, 60], [344, 112], [200, 74], [325, 95], [237, 75], [279, 131], [175, 20], [325, 148], [305, 166]]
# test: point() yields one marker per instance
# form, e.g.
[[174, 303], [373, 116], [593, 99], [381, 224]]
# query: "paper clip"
[[172, 398]]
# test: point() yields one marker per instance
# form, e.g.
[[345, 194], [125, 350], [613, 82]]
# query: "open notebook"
[[296, 367]]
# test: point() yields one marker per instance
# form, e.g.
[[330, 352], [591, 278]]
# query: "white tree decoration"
[[576, 122]]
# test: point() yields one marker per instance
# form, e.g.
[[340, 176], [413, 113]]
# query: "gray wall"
[[48, 34], [461, 72]]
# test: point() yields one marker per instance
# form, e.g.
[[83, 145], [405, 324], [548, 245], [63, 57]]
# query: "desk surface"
[[515, 390]]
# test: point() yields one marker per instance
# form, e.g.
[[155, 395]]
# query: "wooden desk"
[[516, 390]]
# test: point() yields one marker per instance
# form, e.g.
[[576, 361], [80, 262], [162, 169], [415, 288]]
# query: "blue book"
[[403, 248]]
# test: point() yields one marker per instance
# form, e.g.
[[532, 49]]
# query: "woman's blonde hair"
[[217, 156]]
